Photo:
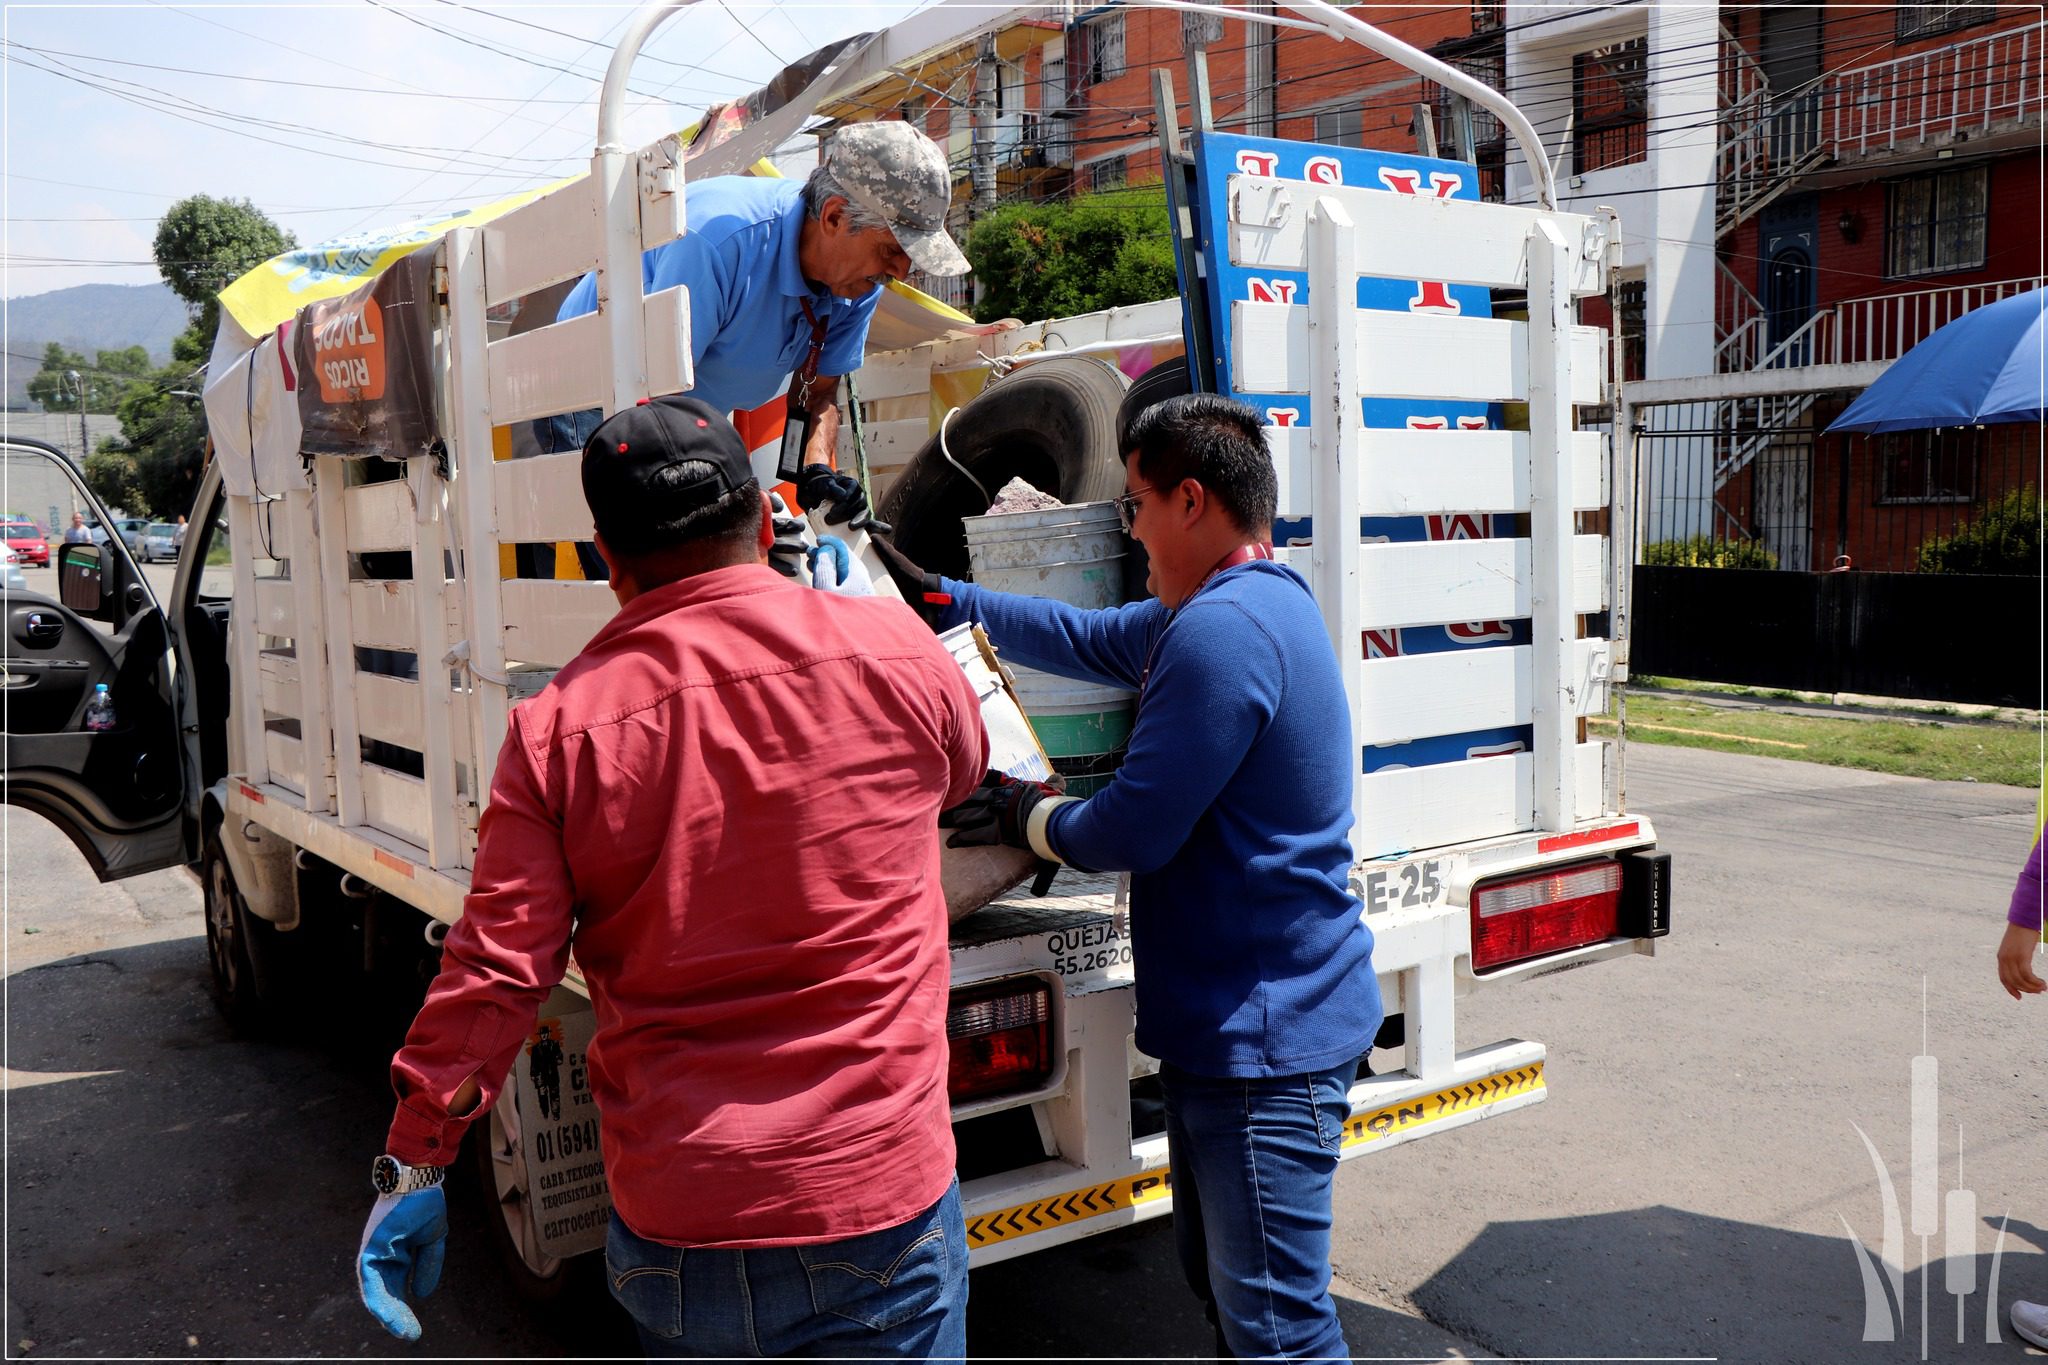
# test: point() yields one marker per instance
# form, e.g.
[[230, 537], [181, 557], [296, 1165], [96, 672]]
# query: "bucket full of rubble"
[[1074, 554]]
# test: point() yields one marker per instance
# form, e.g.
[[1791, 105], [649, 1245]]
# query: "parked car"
[[131, 530], [10, 569], [159, 541], [27, 541]]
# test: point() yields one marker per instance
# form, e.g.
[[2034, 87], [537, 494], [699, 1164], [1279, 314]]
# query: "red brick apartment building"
[[1881, 177]]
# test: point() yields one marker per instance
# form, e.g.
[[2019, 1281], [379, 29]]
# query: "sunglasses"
[[1127, 506]]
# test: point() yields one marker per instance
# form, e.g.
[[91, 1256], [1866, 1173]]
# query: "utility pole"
[[84, 446], [983, 165]]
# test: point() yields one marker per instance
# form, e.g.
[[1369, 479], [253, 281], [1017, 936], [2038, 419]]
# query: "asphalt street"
[[1689, 1188]]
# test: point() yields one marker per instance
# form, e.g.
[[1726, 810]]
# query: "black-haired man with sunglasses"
[[1232, 811]]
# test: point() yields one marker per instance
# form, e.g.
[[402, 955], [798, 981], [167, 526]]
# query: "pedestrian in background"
[[2016, 952]]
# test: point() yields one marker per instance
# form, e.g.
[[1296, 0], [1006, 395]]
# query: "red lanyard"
[[809, 372], [1243, 554]]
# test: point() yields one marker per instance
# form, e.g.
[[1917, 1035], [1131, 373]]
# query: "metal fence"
[[1754, 483]]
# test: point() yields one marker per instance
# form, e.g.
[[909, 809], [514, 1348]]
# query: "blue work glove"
[[403, 1245], [834, 569], [818, 484]]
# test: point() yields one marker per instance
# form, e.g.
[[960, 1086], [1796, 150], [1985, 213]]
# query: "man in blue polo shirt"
[[1232, 812], [783, 277]]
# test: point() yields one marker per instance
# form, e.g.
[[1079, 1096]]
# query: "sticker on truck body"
[[571, 1199], [1406, 886]]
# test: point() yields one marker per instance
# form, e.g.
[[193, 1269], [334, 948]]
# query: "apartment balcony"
[[1863, 332], [1982, 94]]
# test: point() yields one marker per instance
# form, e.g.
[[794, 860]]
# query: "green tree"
[[1058, 259], [51, 385], [113, 477], [102, 378], [203, 244]]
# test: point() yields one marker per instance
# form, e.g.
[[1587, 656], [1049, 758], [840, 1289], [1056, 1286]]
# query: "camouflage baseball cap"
[[900, 175]]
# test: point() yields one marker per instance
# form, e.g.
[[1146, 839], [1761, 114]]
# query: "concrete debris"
[[1019, 496]]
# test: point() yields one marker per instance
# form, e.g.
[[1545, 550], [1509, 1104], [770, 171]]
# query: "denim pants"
[[901, 1293], [1253, 1161]]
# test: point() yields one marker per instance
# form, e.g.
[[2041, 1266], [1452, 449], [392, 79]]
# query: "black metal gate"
[[1773, 555]]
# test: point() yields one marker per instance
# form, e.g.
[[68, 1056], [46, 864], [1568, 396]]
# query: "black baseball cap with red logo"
[[627, 458]]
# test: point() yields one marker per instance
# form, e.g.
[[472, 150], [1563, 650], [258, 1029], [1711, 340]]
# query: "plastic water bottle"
[[99, 712]]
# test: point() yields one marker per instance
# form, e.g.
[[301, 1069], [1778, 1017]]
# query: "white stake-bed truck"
[[310, 719]]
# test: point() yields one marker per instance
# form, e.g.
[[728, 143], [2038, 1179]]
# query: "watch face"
[[384, 1174]]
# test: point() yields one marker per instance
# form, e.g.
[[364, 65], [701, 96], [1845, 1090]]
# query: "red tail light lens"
[[1527, 917], [1000, 1037]]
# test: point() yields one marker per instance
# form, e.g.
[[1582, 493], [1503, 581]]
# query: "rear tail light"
[[1000, 1038], [1561, 908]]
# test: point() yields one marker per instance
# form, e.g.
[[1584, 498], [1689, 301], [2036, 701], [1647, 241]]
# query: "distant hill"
[[89, 318]]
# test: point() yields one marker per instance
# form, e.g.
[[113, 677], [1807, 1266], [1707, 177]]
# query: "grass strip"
[[1947, 750]]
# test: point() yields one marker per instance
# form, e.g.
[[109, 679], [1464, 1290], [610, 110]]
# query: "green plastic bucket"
[[1075, 555]]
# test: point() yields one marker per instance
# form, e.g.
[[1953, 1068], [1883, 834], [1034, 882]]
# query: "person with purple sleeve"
[[2023, 932], [2016, 974]]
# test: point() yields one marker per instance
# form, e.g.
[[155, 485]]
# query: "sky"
[[338, 118]]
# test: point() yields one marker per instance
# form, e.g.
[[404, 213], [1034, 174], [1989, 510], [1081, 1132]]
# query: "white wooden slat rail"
[[1414, 696], [1412, 473], [1449, 803], [546, 622], [555, 237], [379, 516], [566, 367], [1413, 237], [382, 614], [540, 500], [1405, 355], [1431, 582]]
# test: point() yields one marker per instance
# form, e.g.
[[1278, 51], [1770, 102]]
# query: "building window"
[[1935, 223], [1924, 21], [1610, 106], [1097, 50], [1109, 172], [1341, 127], [1928, 466]]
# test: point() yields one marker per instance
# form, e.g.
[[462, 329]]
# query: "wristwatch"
[[389, 1175]]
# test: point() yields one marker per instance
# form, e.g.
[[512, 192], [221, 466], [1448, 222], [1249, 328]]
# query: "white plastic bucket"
[[1075, 555]]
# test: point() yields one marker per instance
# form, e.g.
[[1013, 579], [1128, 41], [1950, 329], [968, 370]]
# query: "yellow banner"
[[281, 286]]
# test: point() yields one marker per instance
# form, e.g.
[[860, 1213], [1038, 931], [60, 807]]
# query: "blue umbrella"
[[1983, 367]]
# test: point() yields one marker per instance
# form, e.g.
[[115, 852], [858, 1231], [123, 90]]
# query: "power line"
[[162, 108]]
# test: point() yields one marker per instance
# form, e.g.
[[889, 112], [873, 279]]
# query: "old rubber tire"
[[1052, 424], [1168, 379], [230, 944]]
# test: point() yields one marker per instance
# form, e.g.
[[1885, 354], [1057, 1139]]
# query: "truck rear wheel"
[[230, 945], [499, 1155]]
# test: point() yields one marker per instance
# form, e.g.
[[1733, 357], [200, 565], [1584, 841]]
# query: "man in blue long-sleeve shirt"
[[1232, 811]]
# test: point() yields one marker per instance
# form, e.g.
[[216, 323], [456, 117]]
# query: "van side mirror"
[[79, 587]]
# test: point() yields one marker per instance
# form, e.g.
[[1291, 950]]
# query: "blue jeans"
[[1253, 1161], [901, 1292]]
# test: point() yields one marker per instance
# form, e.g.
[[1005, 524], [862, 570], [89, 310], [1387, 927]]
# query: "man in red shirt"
[[730, 800]]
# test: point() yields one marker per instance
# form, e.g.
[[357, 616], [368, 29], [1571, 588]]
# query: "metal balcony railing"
[[1885, 326], [1879, 327], [1967, 89]]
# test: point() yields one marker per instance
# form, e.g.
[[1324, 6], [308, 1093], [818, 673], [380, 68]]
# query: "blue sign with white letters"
[[1219, 157]]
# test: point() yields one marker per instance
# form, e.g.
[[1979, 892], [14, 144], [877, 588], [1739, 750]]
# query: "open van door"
[[89, 621]]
